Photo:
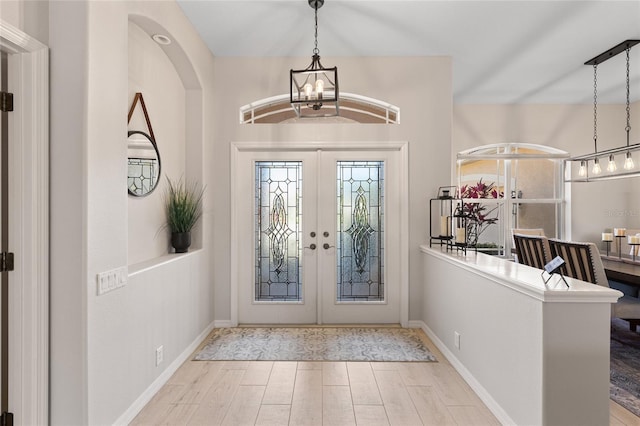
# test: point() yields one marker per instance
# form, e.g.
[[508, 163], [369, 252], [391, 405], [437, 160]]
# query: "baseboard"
[[482, 393], [137, 406], [223, 324]]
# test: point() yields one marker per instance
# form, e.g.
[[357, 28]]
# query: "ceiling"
[[503, 51]]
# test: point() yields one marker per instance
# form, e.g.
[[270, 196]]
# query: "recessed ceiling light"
[[161, 39]]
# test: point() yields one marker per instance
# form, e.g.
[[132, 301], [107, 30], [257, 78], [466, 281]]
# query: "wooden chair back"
[[582, 261], [532, 250]]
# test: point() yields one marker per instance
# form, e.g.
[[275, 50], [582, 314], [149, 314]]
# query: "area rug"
[[625, 366], [315, 344]]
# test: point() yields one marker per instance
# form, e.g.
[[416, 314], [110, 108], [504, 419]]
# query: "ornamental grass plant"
[[183, 203]]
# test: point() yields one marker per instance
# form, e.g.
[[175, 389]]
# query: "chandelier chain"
[[315, 49], [628, 127], [595, 106]]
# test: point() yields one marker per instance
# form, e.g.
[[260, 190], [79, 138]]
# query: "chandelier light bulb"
[[596, 167], [582, 171], [611, 166], [308, 88], [628, 162]]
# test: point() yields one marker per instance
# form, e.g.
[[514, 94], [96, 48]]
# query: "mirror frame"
[[155, 147]]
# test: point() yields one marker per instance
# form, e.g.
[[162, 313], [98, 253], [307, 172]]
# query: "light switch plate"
[[110, 280]]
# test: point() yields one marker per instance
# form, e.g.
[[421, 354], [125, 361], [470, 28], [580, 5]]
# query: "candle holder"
[[633, 241], [441, 208], [607, 237], [460, 222], [619, 245]]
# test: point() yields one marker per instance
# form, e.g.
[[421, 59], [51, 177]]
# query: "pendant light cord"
[[595, 107], [315, 49], [628, 128]]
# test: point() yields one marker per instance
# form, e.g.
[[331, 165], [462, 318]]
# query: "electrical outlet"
[[159, 355], [456, 339]]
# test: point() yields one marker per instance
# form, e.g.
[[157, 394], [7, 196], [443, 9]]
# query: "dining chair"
[[582, 261], [532, 250]]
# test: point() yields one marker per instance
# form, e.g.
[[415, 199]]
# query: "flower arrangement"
[[478, 213]]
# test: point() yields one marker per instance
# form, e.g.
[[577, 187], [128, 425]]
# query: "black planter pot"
[[181, 241]]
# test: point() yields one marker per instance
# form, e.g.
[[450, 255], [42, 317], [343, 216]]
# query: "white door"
[[26, 205], [318, 236], [4, 276]]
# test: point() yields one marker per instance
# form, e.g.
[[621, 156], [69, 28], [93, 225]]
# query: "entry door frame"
[[400, 147], [28, 67]]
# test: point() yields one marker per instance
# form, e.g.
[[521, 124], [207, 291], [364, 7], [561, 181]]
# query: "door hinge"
[[6, 101], [6, 262], [6, 419]]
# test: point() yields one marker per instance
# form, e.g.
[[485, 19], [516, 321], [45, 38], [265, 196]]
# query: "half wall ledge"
[[535, 354]]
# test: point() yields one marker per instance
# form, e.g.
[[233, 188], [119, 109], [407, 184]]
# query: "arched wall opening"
[[173, 96]]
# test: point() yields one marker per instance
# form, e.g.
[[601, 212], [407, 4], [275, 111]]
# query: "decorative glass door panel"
[[360, 216], [278, 233], [360, 241], [317, 236]]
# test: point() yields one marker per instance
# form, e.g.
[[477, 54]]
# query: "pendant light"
[[582, 171], [314, 90], [582, 162], [612, 166]]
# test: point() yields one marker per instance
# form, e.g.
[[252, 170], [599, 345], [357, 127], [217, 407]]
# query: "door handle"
[[326, 246], [311, 246]]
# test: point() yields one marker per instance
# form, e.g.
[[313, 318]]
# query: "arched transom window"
[[353, 109]]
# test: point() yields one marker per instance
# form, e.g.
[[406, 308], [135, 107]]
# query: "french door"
[[318, 236]]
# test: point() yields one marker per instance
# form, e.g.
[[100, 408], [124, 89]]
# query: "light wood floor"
[[323, 393]]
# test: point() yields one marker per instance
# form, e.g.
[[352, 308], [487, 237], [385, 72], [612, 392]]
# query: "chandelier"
[[314, 90], [628, 150]]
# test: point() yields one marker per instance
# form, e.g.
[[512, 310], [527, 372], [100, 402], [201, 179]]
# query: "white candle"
[[619, 232], [444, 226], [607, 236], [460, 236], [633, 239]]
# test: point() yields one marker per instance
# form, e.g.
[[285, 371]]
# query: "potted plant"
[[183, 205]]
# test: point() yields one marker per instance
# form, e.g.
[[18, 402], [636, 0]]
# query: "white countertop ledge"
[[525, 279]]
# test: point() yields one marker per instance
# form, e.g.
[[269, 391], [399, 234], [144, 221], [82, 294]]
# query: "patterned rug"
[[625, 366], [315, 344]]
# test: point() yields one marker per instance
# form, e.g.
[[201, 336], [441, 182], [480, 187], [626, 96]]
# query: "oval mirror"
[[143, 163]]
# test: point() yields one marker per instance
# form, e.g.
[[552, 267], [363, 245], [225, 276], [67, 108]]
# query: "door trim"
[[401, 147], [29, 216]]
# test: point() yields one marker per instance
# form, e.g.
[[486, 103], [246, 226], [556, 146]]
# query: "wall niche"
[[159, 69]]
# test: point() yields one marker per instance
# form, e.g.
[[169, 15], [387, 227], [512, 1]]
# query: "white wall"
[[425, 105], [32, 17], [68, 238], [103, 347], [595, 205]]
